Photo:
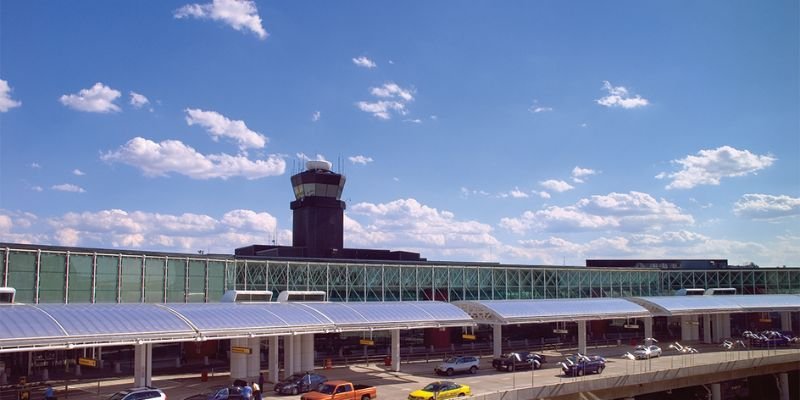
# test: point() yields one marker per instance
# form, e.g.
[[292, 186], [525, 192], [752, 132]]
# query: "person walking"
[[247, 392], [49, 393], [261, 380], [256, 391]]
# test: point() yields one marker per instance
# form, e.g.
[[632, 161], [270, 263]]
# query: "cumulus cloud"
[[514, 193], [6, 102], [766, 206], [409, 225], [466, 192], [238, 14], [68, 187], [139, 100], [618, 96], [394, 98], [556, 185], [220, 126], [359, 159], [99, 98], [364, 62], [316, 116], [78, 172], [173, 156], [708, 167], [539, 109], [633, 211], [543, 194], [578, 174]]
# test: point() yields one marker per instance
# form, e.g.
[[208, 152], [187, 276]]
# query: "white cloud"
[[633, 211], [708, 167], [466, 192], [99, 98], [304, 157], [556, 185], [6, 102], [35, 165], [68, 187], [239, 14], [364, 62], [78, 172], [168, 156], [37, 188], [538, 109], [766, 206], [514, 193], [618, 96], [579, 173], [138, 100], [219, 126], [406, 224], [381, 109], [413, 121], [316, 116], [359, 159], [392, 90], [543, 194]]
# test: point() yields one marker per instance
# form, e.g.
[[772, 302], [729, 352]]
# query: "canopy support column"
[[786, 320], [690, 328], [582, 337], [716, 391], [497, 338], [297, 354], [274, 368], [238, 359], [288, 352], [307, 355], [783, 385], [142, 365], [395, 350], [707, 328], [254, 359], [648, 330]]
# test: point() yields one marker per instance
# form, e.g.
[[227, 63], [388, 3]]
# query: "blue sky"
[[541, 132]]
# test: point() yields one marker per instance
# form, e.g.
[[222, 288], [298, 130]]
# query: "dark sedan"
[[299, 383], [220, 393]]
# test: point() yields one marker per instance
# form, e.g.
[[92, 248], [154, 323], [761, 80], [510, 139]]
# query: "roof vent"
[[288, 296], [7, 295], [247, 296]]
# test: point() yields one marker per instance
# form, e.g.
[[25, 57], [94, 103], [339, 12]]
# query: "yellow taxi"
[[440, 390]]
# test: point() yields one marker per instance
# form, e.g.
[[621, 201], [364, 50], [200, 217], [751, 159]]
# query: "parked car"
[[220, 393], [299, 383], [459, 364], [644, 352], [341, 390], [142, 393], [518, 360], [579, 365], [440, 390]]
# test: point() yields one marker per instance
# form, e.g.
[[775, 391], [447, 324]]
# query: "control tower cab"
[[318, 211]]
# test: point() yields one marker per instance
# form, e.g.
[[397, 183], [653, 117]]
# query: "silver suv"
[[458, 364], [142, 393]]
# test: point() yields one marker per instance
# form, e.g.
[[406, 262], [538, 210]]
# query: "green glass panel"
[[216, 280], [176, 281], [154, 280], [197, 281], [22, 275], [52, 275], [80, 278], [131, 290], [106, 279]]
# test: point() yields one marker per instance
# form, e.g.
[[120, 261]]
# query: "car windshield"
[[118, 396], [451, 360], [434, 387], [640, 348], [326, 389], [293, 379]]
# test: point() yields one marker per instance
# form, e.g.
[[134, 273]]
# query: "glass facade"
[[58, 275]]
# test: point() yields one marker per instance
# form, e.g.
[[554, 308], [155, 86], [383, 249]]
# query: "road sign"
[[89, 362], [241, 350], [367, 342]]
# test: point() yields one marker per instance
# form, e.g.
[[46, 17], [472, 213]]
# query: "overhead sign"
[[367, 342], [631, 326], [241, 350], [468, 337], [89, 362], [560, 331]]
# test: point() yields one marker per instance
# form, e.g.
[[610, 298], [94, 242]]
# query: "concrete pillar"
[[786, 320], [783, 386], [686, 333], [274, 368], [100, 363], [497, 344], [288, 351], [693, 327], [707, 328], [582, 337], [648, 329], [395, 354], [142, 365], [307, 354], [726, 325], [716, 391], [254, 358], [238, 360], [297, 354]]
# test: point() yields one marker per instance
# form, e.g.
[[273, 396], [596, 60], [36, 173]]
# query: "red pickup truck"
[[341, 390]]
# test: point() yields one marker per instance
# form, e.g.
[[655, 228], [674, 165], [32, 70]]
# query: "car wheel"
[[294, 391], [473, 369], [600, 370], [512, 367], [449, 372], [580, 372], [365, 397], [461, 395]]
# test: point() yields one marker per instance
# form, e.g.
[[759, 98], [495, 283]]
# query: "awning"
[[694, 305], [550, 310]]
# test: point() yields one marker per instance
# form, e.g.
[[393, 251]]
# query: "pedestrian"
[[49, 393], [247, 392], [261, 380], [256, 391]]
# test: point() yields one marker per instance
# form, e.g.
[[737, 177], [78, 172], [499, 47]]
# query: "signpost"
[[241, 350], [89, 362]]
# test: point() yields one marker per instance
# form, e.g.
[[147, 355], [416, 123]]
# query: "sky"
[[523, 132]]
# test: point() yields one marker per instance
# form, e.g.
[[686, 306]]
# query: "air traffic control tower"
[[318, 222], [318, 212]]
